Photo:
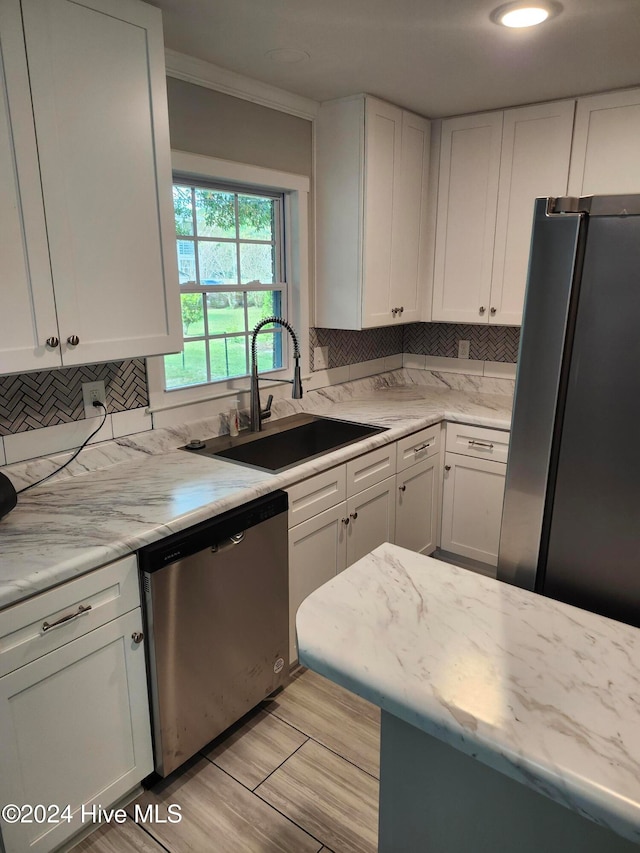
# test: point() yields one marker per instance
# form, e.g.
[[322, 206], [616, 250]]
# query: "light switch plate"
[[321, 358], [463, 349]]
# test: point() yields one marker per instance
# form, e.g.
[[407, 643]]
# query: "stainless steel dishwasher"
[[216, 605]]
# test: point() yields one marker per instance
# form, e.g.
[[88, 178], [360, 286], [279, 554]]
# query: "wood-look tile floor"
[[297, 775]]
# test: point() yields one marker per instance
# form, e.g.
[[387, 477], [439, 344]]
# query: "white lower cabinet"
[[74, 722], [417, 504], [418, 488], [371, 515], [317, 552], [327, 543], [473, 491], [366, 512]]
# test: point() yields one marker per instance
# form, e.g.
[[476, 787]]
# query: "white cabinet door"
[[410, 256], [339, 190], [382, 156], [372, 519], [317, 552], [473, 492], [417, 500], [606, 154], [466, 217], [74, 727], [536, 148], [396, 295], [27, 308], [372, 164], [96, 70]]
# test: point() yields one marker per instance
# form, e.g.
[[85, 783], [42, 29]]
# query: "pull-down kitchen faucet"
[[257, 414]]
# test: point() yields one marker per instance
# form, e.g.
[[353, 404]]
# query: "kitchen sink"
[[285, 443]]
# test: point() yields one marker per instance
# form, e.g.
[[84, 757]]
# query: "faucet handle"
[[266, 412]]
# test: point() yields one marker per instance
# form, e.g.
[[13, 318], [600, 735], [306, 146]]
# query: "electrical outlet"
[[463, 349], [93, 391], [321, 358]]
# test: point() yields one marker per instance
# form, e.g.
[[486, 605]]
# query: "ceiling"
[[436, 57]]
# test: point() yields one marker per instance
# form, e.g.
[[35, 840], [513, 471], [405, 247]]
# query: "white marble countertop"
[[72, 524], [541, 691]]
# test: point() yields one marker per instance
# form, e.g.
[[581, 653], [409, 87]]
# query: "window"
[[230, 251], [291, 193]]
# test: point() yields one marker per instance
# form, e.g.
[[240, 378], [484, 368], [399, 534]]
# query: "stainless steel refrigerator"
[[571, 517]]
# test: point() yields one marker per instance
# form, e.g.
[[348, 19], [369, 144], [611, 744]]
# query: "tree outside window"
[[230, 265]]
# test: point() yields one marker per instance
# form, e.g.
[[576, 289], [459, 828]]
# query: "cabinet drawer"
[[414, 448], [476, 441], [28, 629], [371, 468], [316, 494]]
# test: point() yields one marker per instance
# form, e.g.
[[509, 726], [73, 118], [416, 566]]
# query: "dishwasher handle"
[[228, 543]]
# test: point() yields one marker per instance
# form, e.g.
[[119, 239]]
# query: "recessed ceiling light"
[[525, 14], [287, 55]]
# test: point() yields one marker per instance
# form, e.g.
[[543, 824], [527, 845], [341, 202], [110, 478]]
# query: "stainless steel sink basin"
[[286, 442]]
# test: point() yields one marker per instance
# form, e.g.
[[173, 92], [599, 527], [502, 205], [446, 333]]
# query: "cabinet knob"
[[137, 636], [447, 467], [401, 309], [345, 521], [394, 311], [73, 340], [482, 309], [353, 515], [53, 342], [493, 310], [402, 488]]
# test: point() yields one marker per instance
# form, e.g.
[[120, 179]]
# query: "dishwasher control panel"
[[210, 533]]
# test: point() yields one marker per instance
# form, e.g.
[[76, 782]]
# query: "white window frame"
[[296, 250]]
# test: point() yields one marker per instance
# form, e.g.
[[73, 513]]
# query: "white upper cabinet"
[[98, 103], [411, 256], [606, 145], [27, 307], [536, 149], [492, 168], [467, 198], [372, 164]]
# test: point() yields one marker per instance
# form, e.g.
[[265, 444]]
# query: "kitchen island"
[[509, 721]]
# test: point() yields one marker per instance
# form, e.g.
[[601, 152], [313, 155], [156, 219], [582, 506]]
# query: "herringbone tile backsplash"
[[346, 347], [34, 400], [486, 343]]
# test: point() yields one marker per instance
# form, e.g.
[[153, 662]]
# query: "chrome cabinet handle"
[[402, 488], [73, 340], [493, 310], [482, 309], [137, 636], [46, 626], [53, 342], [420, 448], [473, 443], [447, 467], [353, 515], [345, 521]]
